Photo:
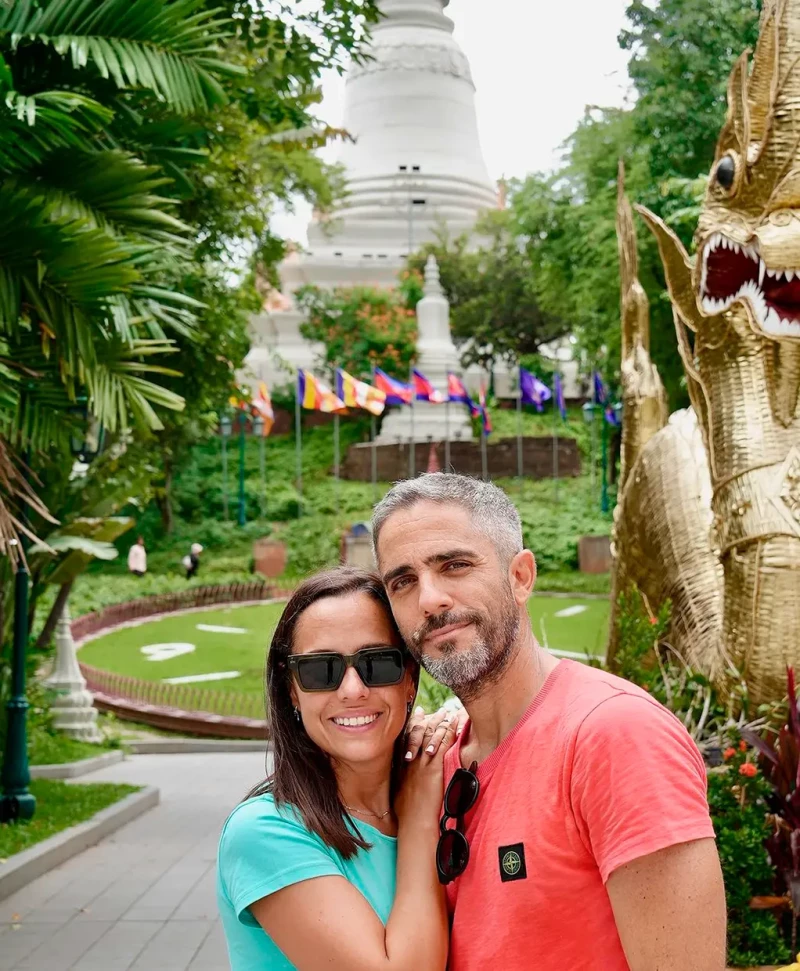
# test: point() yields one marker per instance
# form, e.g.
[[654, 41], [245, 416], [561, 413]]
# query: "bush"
[[739, 813]]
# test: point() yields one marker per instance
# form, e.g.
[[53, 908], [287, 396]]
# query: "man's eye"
[[457, 565], [401, 582]]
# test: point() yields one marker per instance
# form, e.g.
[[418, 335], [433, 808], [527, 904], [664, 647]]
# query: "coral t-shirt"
[[595, 775]]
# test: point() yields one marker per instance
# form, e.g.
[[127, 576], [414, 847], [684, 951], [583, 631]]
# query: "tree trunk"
[[55, 615]]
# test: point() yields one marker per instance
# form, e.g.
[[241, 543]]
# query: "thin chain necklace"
[[364, 812]]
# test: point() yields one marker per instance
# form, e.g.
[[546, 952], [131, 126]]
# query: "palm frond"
[[166, 46]]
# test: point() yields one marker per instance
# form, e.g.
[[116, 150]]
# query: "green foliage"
[[489, 280], [682, 54], [739, 813], [360, 328], [59, 805]]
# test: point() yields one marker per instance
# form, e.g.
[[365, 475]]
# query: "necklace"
[[364, 812]]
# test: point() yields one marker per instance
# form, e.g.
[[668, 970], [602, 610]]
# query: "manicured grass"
[[583, 630], [58, 806], [47, 749]]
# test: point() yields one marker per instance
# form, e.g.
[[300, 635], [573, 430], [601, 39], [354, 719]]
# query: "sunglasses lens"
[[320, 673], [461, 793], [376, 668], [452, 855]]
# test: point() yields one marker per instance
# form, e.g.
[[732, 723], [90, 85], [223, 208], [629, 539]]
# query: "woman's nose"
[[352, 686]]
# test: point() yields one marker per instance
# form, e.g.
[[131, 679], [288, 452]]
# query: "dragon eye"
[[726, 172]]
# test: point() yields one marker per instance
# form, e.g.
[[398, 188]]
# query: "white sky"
[[536, 65]]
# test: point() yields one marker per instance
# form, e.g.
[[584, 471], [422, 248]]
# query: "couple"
[[574, 832]]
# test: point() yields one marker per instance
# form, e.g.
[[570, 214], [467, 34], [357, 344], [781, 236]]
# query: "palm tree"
[[98, 101]]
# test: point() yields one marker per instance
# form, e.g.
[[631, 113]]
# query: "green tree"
[[360, 328], [495, 312]]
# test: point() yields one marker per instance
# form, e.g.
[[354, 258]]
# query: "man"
[[137, 558], [591, 845]]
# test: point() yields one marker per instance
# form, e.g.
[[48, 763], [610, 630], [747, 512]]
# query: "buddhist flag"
[[482, 410], [600, 392], [457, 392], [424, 390], [397, 392], [314, 395], [533, 391], [359, 394], [262, 403], [558, 393]]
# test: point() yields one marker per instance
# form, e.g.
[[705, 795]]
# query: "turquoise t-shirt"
[[263, 849]]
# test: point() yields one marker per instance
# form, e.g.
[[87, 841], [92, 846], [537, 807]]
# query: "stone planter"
[[269, 557], [594, 554]]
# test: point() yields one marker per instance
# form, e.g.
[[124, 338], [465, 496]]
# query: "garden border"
[[73, 770], [182, 708], [22, 868]]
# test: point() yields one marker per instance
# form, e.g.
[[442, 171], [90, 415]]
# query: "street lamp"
[[258, 429], [242, 424], [16, 802], [225, 428]]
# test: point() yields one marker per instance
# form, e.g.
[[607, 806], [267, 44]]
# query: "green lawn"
[[243, 647], [58, 806]]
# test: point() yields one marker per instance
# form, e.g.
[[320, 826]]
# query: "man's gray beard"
[[468, 673]]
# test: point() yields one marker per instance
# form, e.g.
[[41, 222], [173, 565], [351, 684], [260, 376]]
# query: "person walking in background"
[[137, 558], [192, 560]]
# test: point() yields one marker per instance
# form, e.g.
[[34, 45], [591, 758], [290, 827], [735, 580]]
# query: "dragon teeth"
[[762, 269]]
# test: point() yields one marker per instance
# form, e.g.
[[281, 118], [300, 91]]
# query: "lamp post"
[[258, 429], [225, 428], [16, 802], [242, 423]]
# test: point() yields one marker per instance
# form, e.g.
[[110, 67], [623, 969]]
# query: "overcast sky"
[[536, 65]]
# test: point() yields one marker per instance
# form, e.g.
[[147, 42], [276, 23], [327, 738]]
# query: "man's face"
[[457, 606]]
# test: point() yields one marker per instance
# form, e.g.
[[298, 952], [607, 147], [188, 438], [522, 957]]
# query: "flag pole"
[[594, 439], [336, 459], [519, 427], [447, 432], [298, 436], [484, 456], [412, 453], [373, 430], [262, 469], [556, 412]]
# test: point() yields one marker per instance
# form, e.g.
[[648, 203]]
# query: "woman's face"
[[345, 625]]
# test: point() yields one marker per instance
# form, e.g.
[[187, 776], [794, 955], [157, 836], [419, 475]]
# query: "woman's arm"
[[326, 924]]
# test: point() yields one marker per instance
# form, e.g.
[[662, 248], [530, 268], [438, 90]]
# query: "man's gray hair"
[[490, 509]]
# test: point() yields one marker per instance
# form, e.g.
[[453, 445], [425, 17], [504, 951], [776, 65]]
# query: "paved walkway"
[[143, 899]]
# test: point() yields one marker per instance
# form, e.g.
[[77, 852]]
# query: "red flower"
[[728, 753], [748, 769], [743, 746]]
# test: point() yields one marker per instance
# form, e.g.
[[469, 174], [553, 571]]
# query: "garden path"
[[142, 899]]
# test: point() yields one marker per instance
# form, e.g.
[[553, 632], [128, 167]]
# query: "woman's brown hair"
[[303, 775]]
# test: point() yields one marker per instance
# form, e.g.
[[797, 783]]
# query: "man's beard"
[[467, 672]]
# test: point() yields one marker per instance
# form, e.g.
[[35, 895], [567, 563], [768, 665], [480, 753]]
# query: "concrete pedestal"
[[73, 710]]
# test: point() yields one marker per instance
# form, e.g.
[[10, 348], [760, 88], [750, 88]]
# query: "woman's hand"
[[426, 732], [419, 801]]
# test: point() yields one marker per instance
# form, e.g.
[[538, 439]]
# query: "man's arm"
[[656, 901]]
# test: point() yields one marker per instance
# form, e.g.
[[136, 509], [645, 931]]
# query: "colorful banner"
[[397, 392], [483, 412], [314, 395], [262, 403], [457, 392], [359, 394], [558, 390], [424, 390], [600, 391], [533, 391]]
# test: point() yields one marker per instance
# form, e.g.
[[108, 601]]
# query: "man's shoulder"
[[590, 696]]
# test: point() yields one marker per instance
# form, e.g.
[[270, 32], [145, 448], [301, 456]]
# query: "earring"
[[296, 711], [409, 706]]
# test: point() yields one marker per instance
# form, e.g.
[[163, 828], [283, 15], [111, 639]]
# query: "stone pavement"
[[143, 899]]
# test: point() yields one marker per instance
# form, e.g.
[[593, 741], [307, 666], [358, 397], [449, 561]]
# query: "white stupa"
[[425, 421], [414, 166]]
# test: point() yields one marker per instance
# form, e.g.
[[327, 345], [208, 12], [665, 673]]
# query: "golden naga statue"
[[710, 512]]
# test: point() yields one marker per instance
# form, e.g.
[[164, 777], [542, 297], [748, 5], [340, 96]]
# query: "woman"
[[331, 862]]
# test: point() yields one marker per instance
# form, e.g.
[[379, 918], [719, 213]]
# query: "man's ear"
[[522, 576]]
